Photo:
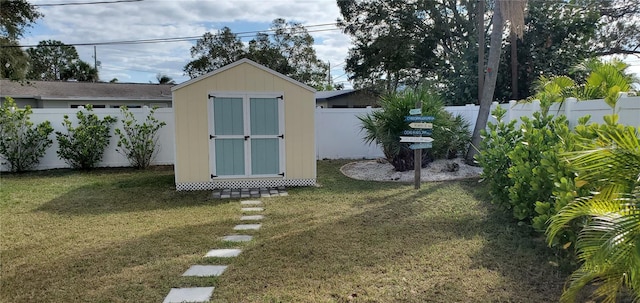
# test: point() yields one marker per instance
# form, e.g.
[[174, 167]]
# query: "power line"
[[239, 35], [85, 3]]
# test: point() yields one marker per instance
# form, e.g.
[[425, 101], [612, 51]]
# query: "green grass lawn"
[[120, 235]]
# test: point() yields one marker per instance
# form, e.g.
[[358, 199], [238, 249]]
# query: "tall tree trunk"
[[481, 44], [514, 65], [495, 48]]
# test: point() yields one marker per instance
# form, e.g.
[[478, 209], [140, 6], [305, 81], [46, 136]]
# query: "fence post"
[[512, 104], [568, 111], [535, 107], [621, 95]]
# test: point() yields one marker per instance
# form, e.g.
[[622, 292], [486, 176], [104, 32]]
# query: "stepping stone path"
[[203, 294], [223, 253], [261, 192], [247, 227], [204, 271], [252, 218], [191, 294], [237, 238], [247, 209]]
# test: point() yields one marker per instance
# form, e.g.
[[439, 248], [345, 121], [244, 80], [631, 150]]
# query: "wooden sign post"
[[417, 156], [420, 125]]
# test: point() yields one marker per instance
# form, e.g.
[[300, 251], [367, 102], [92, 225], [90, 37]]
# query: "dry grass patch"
[[121, 235]]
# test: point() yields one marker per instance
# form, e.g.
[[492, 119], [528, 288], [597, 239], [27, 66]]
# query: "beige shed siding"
[[192, 132]]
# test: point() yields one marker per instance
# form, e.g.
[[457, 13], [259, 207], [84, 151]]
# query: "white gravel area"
[[380, 170]]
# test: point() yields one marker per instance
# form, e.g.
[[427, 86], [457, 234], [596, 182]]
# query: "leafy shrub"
[[531, 181], [609, 242], [21, 143], [451, 136], [83, 146], [498, 140], [385, 127], [138, 142]]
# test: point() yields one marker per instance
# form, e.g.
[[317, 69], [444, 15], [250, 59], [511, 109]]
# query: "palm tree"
[[164, 79], [609, 243], [504, 10], [384, 126], [606, 80]]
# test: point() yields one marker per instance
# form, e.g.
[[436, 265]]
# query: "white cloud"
[[152, 19]]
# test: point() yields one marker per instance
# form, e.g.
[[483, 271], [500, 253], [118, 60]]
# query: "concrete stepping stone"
[[223, 253], [204, 271], [252, 218], [247, 226], [251, 202], [237, 238], [248, 209], [190, 294]]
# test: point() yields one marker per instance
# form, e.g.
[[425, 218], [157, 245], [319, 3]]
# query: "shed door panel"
[[265, 156], [230, 157], [228, 116], [265, 143], [248, 136], [264, 116], [228, 125]]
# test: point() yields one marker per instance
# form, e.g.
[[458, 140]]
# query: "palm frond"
[[609, 243]]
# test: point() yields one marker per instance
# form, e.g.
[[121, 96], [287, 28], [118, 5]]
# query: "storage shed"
[[244, 126]]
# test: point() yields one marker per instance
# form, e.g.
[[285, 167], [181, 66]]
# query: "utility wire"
[[174, 39], [85, 3]]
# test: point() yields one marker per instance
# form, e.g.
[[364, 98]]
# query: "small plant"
[[22, 143], [83, 146], [138, 142]]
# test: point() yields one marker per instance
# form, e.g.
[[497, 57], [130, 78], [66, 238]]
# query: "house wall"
[[354, 100], [105, 103], [67, 103], [192, 129], [23, 102]]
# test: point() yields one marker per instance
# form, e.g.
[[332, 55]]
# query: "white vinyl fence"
[[338, 132]]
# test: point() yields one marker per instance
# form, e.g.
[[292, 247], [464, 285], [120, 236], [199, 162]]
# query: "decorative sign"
[[420, 145], [415, 111], [419, 118], [417, 132], [416, 139], [421, 125]]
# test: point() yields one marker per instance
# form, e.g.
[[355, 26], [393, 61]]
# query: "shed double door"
[[247, 136]]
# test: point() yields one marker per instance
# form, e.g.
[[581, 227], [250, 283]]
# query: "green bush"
[[531, 181], [83, 146], [138, 142], [607, 211], [21, 143], [498, 140], [451, 136], [385, 126]]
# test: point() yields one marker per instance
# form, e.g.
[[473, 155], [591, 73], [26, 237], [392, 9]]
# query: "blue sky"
[[155, 19]]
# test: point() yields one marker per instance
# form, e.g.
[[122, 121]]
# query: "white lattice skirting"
[[191, 186]]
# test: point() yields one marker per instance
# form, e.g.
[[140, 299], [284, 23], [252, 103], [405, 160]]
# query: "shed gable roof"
[[237, 63]]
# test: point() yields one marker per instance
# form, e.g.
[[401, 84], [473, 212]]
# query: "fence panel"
[[338, 135]]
